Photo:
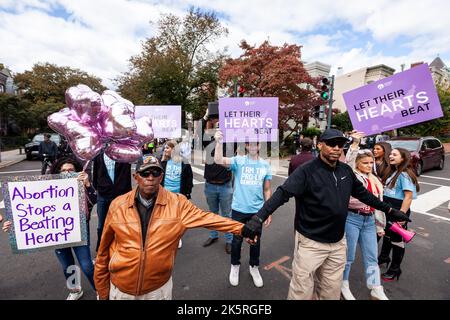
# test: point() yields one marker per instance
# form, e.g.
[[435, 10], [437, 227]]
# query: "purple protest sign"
[[398, 101], [166, 120], [249, 119]]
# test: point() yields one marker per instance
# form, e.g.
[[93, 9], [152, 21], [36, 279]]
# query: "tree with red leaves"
[[271, 71]]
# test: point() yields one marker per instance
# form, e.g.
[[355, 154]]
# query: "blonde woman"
[[178, 176], [362, 224]]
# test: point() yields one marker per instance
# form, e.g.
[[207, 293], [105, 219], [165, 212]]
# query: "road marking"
[[197, 170], [431, 199], [2, 204], [6, 172], [198, 182], [282, 269], [431, 184], [432, 177]]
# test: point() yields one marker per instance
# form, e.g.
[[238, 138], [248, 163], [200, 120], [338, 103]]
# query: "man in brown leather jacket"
[[141, 234]]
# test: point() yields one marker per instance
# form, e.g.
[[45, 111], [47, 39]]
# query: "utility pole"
[[330, 103]]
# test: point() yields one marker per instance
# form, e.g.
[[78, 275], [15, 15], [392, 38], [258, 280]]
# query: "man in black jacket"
[[322, 188], [218, 180], [111, 179]]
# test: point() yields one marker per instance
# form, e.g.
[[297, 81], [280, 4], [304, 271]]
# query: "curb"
[[5, 164]]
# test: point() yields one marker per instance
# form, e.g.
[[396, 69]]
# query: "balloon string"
[[86, 165]]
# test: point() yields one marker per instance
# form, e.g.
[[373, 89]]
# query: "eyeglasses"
[[155, 173], [333, 143]]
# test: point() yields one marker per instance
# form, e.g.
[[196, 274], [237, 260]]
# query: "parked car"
[[426, 152], [32, 148]]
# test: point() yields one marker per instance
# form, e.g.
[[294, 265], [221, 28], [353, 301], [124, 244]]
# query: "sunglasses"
[[155, 173], [333, 143], [365, 151]]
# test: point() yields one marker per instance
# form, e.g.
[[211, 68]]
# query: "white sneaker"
[[234, 275], [377, 293], [257, 279], [180, 244], [345, 290], [75, 295]]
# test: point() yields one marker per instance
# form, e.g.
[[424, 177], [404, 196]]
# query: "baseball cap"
[[332, 134], [149, 162]]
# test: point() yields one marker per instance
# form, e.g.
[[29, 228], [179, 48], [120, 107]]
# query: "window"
[[433, 144], [2, 88]]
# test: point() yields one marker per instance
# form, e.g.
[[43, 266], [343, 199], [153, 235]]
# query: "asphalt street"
[[202, 273]]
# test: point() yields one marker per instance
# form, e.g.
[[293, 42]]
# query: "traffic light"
[[316, 112], [241, 91], [325, 89]]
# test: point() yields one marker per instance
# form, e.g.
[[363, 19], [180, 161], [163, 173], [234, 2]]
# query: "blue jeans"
[[219, 195], [102, 209], [84, 258], [236, 245], [361, 229]]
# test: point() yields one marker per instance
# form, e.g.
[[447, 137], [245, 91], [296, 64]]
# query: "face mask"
[[68, 175]]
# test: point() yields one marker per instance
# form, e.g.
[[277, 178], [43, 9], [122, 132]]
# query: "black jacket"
[[186, 178], [322, 195], [102, 182]]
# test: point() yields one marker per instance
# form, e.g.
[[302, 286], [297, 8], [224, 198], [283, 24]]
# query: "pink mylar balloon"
[[111, 98], [87, 104], [58, 120], [118, 122], [118, 126], [84, 141], [86, 148], [123, 152], [144, 131]]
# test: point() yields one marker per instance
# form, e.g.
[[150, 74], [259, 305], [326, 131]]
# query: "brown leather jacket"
[[138, 269]]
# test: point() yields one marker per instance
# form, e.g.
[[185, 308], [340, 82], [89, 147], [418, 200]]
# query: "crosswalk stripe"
[[431, 199], [432, 177], [197, 170], [2, 204]]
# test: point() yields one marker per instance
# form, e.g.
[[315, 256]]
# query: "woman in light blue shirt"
[[400, 189], [178, 176], [252, 177]]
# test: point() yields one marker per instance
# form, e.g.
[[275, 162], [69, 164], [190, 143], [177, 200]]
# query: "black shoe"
[[391, 274], [210, 241], [228, 248]]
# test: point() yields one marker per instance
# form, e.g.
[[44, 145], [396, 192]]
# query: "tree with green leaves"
[[342, 121], [176, 67], [437, 127], [42, 92], [47, 82]]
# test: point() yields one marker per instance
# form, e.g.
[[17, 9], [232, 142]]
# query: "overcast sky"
[[99, 36]]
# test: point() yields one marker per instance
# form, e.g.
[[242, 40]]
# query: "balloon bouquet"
[[92, 122]]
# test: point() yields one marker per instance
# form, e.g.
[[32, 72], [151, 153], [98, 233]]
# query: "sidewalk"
[[447, 147], [11, 157]]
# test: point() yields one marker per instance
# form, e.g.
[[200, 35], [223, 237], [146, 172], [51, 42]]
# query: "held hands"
[[218, 136], [252, 229], [398, 215], [357, 135]]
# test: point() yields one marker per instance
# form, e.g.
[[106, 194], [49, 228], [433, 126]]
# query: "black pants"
[[46, 163], [236, 244], [390, 236]]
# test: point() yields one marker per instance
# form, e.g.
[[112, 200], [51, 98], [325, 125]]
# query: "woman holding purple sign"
[[252, 177], [70, 168]]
